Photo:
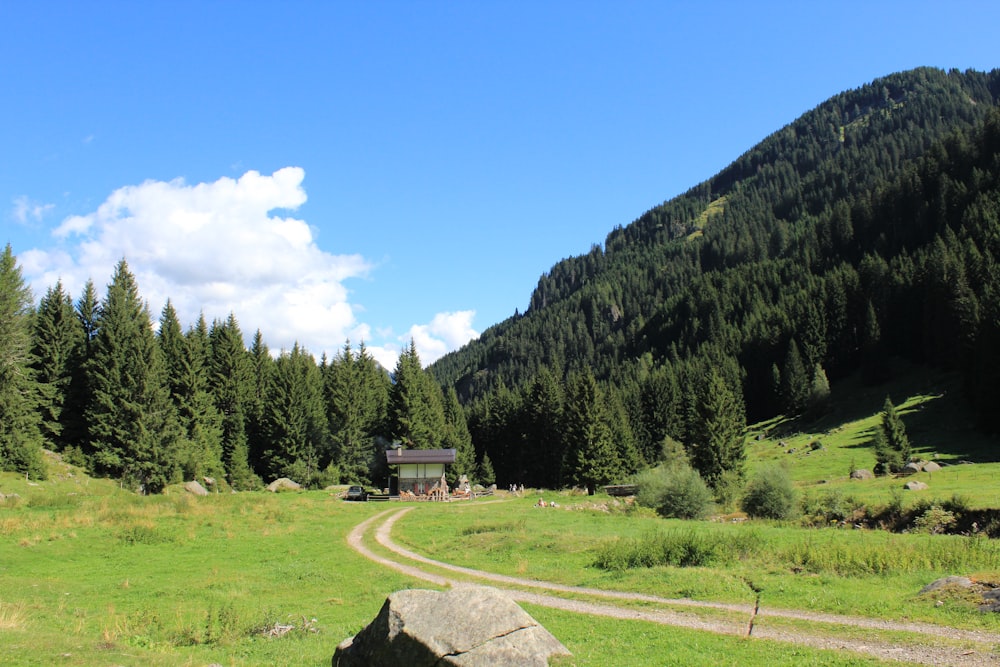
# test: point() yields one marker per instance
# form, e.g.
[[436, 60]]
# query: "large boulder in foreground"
[[471, 626]]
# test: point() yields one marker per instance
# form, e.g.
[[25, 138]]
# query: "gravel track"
[[905, 652]]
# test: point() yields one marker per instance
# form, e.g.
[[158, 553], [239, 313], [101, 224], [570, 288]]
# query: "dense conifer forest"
[[866, 229]]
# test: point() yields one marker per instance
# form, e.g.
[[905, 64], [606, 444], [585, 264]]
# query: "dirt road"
[[932, 644]]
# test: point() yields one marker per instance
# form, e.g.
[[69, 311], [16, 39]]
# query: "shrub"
[[769, 495], [676, 491]]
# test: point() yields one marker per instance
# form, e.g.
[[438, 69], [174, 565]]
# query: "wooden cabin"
[[416, 471]]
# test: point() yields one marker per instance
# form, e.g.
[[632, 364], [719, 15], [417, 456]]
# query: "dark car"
[[356, 493]]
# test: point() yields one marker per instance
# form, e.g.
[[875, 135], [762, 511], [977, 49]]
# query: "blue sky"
[[394, 170]]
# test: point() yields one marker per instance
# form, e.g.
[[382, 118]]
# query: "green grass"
[[90, 574], [116, 579], [869, 573]]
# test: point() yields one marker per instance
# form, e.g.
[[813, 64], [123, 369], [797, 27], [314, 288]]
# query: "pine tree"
[[457, 437], [544, 408], [795, 382], [261, 366], [591, 458], [355, 392], [484, 471], [133, 427], [819, 394], [230, 384], [892, 445], [716, 442], [75, 430], [57, 334], [295, 420], [415, 412], [20, 439], [185, 356]]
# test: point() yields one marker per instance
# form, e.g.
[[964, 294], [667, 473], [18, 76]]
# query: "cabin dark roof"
[[397, 456]]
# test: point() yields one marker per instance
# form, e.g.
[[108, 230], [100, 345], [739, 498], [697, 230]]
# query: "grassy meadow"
[[93, 575]]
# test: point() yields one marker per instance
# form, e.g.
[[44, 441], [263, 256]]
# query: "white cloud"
[[27, 212], [219, 248], [445, 333], [214, 248]]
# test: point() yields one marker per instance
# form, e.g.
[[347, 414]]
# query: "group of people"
[[541, 503], [516, 488]]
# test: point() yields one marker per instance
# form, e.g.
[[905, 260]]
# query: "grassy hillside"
[[820, 453]]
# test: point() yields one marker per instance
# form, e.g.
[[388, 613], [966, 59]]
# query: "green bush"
[[677, 548], [676, 491], [769, 495]]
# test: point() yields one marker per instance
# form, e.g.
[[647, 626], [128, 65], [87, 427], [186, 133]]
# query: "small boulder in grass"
[[467, 626]]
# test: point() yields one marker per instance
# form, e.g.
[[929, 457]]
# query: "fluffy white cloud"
[[214, 248], [219, 248], [445, 333]]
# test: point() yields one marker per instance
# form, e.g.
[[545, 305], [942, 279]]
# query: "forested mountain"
[[866, 228]]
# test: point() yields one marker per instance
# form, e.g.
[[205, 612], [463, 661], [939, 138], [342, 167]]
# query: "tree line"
[[94, 380]]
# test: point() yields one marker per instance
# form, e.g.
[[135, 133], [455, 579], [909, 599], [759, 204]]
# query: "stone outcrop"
[[467, 626], [862, 474], [915, 486], [283, 484], [195, 489]]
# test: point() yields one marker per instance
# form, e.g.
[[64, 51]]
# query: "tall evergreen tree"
[[355, 391], [20, 439], [262, 367], [544, 407], [591, 458], [75, 430], [892, 445], [229, 370], [133, 426], [717, 443], [57, 334], [295, 420], [795, 381], [186, 356], [457, 437], [415, 411]]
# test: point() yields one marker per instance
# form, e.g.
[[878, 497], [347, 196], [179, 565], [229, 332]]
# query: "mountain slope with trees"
[[864, 229]]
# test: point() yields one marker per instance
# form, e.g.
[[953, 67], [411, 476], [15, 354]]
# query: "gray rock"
[[931, 466], [467, 626], [915, 486], [910, 468], [862, 474], [963, 582], [283, 484], [195, 489]]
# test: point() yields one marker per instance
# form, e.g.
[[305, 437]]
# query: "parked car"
[[356, 493]]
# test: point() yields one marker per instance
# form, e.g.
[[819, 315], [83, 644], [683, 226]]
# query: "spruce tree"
[[230, 384], [795, 382], [415, 412], [457, 437], [717, 444], [544, 408], [75, 431], [133, 427], [261, 366], [591, 458], [355, 392], [295, 420], [20, 438], [57, 334], [892, 445], [185, 356]]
